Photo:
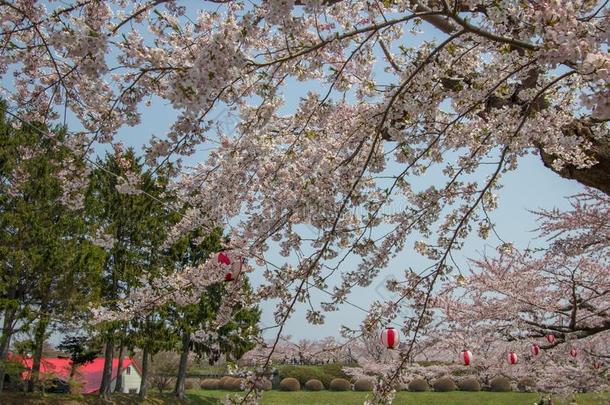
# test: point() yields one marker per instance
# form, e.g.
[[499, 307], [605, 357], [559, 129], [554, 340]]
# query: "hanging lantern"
[[535, 349], [223, 258], [573, 352], [390, 337], [550, 339], [512, 358], [235, 265], [466, 357], [597, 365]]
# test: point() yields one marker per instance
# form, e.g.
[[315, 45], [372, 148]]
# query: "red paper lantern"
[[512, 358], [223, 258], [390, 337], [535, 349], [550, 339], [235, 266], [573, 352], [466, 357]]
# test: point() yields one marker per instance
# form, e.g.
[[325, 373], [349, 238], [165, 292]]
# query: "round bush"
[[314, 385], [225, 382], [444, 384], [340, 384], [265, 384], [418, 385], [500, 384], [469, 384], [364, 384], [191, 384], [234, 384], [290, 384], [527, 384], [210, 384]]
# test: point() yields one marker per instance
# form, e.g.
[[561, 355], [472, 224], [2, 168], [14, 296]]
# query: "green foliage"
[[500, 384], [469, 384], [419, 385], [444, 384], [235, 337], [364, 384], [314, 385], [80, 348], [290, 384], [50, 270], [339, 384], [304, 373]]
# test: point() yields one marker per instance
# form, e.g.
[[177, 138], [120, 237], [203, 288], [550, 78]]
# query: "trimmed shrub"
[[314, 385], [290, 384], [526, 384], [210, 384], [364, 384], [265, 384], [340, 384], [444, 384], [469, 384], [234, 384], [192, 384], [304, 373], [225, 382], [500, 384], [418, 385]]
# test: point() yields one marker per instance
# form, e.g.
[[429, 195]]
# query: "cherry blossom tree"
[[562, 291], [557, 299], [489, 83]]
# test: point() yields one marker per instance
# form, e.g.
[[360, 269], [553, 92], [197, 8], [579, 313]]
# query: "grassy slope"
[[198, 397]]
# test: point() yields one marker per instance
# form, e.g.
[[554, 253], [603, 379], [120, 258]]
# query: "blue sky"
[[531, 186]]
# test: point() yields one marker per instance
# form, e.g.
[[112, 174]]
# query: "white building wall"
[[131, 381]]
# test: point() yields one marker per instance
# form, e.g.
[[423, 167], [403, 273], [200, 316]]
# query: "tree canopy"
[[394, 90]]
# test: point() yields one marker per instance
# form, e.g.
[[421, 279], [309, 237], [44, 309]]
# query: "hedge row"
[[229, 383], [324, 373], [443, 384]]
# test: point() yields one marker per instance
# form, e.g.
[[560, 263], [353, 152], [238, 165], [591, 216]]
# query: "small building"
[[90, 374]]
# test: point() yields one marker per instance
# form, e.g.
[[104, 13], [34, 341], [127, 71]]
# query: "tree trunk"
[[184, 356], [107, 373], [5, 341], [72, 369], [119, 380], [39, 338], [143, 382]]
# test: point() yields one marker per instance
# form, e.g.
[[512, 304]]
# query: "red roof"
[[90, 374]]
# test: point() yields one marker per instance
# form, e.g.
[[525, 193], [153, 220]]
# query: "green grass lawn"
[[200, 397], [402, 398]]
